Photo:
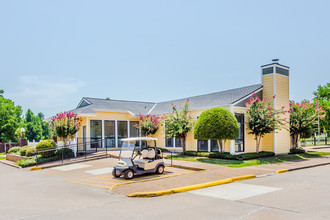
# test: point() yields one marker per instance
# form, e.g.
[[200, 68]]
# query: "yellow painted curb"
[[186, 188], [244, 177], [35, 168], [282, 171]]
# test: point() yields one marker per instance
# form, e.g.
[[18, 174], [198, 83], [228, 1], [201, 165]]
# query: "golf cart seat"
[[148, 156]]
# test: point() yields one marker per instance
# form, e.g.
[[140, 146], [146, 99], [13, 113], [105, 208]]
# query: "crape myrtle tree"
[[148, 124], [262, 119], [178, 123], [217, 124], [303, 120], [65, 125]]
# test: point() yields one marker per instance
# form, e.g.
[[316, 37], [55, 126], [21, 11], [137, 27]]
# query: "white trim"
[[87, 134], [131, 113], [240, 107], [247, 96], [86, 115], [103, 137], [209, 145], [128, 130], [232, 142], [116, 133], [83, 99], [152, 108], [274, 105]]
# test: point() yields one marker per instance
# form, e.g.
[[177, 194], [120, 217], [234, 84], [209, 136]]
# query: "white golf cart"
[[150, 159]]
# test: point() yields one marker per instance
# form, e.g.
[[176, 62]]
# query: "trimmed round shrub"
[[67, 153], [14, 150], [23, 150], [46, 148], [216, 124], [30, 152]]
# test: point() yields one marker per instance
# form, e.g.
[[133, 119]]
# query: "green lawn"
[[245, 163], [2, 157]]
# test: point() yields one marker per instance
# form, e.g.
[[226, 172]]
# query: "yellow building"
[[105, 122]]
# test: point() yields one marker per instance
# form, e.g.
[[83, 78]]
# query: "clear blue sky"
[[52, 53]]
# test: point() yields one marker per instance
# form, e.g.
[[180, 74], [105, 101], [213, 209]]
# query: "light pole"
[[22, 131], [318, 121]]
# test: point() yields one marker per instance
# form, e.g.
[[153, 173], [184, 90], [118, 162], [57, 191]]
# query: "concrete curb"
[[10, 164], [301, 168], [188, 188]]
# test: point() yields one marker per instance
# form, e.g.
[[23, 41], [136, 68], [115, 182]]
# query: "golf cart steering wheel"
[[138, 153]]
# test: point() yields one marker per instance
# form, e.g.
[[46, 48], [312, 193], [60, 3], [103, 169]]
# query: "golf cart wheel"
[[114, 174], [160, 169], [128, 174]]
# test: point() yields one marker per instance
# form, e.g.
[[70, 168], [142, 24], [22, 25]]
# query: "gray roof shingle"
[[196, 102], [216, 99]]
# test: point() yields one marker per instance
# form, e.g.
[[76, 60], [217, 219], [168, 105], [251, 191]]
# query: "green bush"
[[46, 148], [216, 124], [228, 156], [297, 151], [23, 150], [30, 152], [67, 153], [14, 150], [26, 162]]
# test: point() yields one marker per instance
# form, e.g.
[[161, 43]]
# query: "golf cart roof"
[[139, 139]]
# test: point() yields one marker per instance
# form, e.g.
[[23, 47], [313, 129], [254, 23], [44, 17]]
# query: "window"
[[122, 131], [214, 146], [239, 143], [169, 142], [109, 134], [133, 130], [96, 133], [202, 145], [172, 141]]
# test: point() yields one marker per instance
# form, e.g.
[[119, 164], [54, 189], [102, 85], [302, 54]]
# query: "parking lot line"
[[90, 184]]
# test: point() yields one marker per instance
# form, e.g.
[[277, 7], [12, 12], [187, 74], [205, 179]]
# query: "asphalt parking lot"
[[98, 173]]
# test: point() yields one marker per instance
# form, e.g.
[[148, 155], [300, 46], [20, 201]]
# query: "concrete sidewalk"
[[213, 173]]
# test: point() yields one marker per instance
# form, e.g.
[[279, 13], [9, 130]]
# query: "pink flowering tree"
[[149, 124], [262, 119], [303, 120], [65, 125], [179, 123]]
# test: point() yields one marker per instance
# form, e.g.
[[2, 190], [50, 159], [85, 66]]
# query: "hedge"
[[297, 151], [30, 152], [228, 156], [14, 150], [23, 150], [67, 153], [48, 146]]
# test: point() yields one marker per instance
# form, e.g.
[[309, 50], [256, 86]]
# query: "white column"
[[209, 145], [103, 137], [128, 131], [116, 132], [87, 134], [232, 142]]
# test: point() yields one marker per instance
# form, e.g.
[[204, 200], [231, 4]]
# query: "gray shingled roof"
[[196, 102], [216, 99], [114, 105]]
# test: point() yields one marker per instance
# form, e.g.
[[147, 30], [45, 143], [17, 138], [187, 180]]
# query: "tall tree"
[[10, 118], [1, 92], [45, 126], [262, 119], [33, 130], [179, 123], [303, 120], [322, 98]]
